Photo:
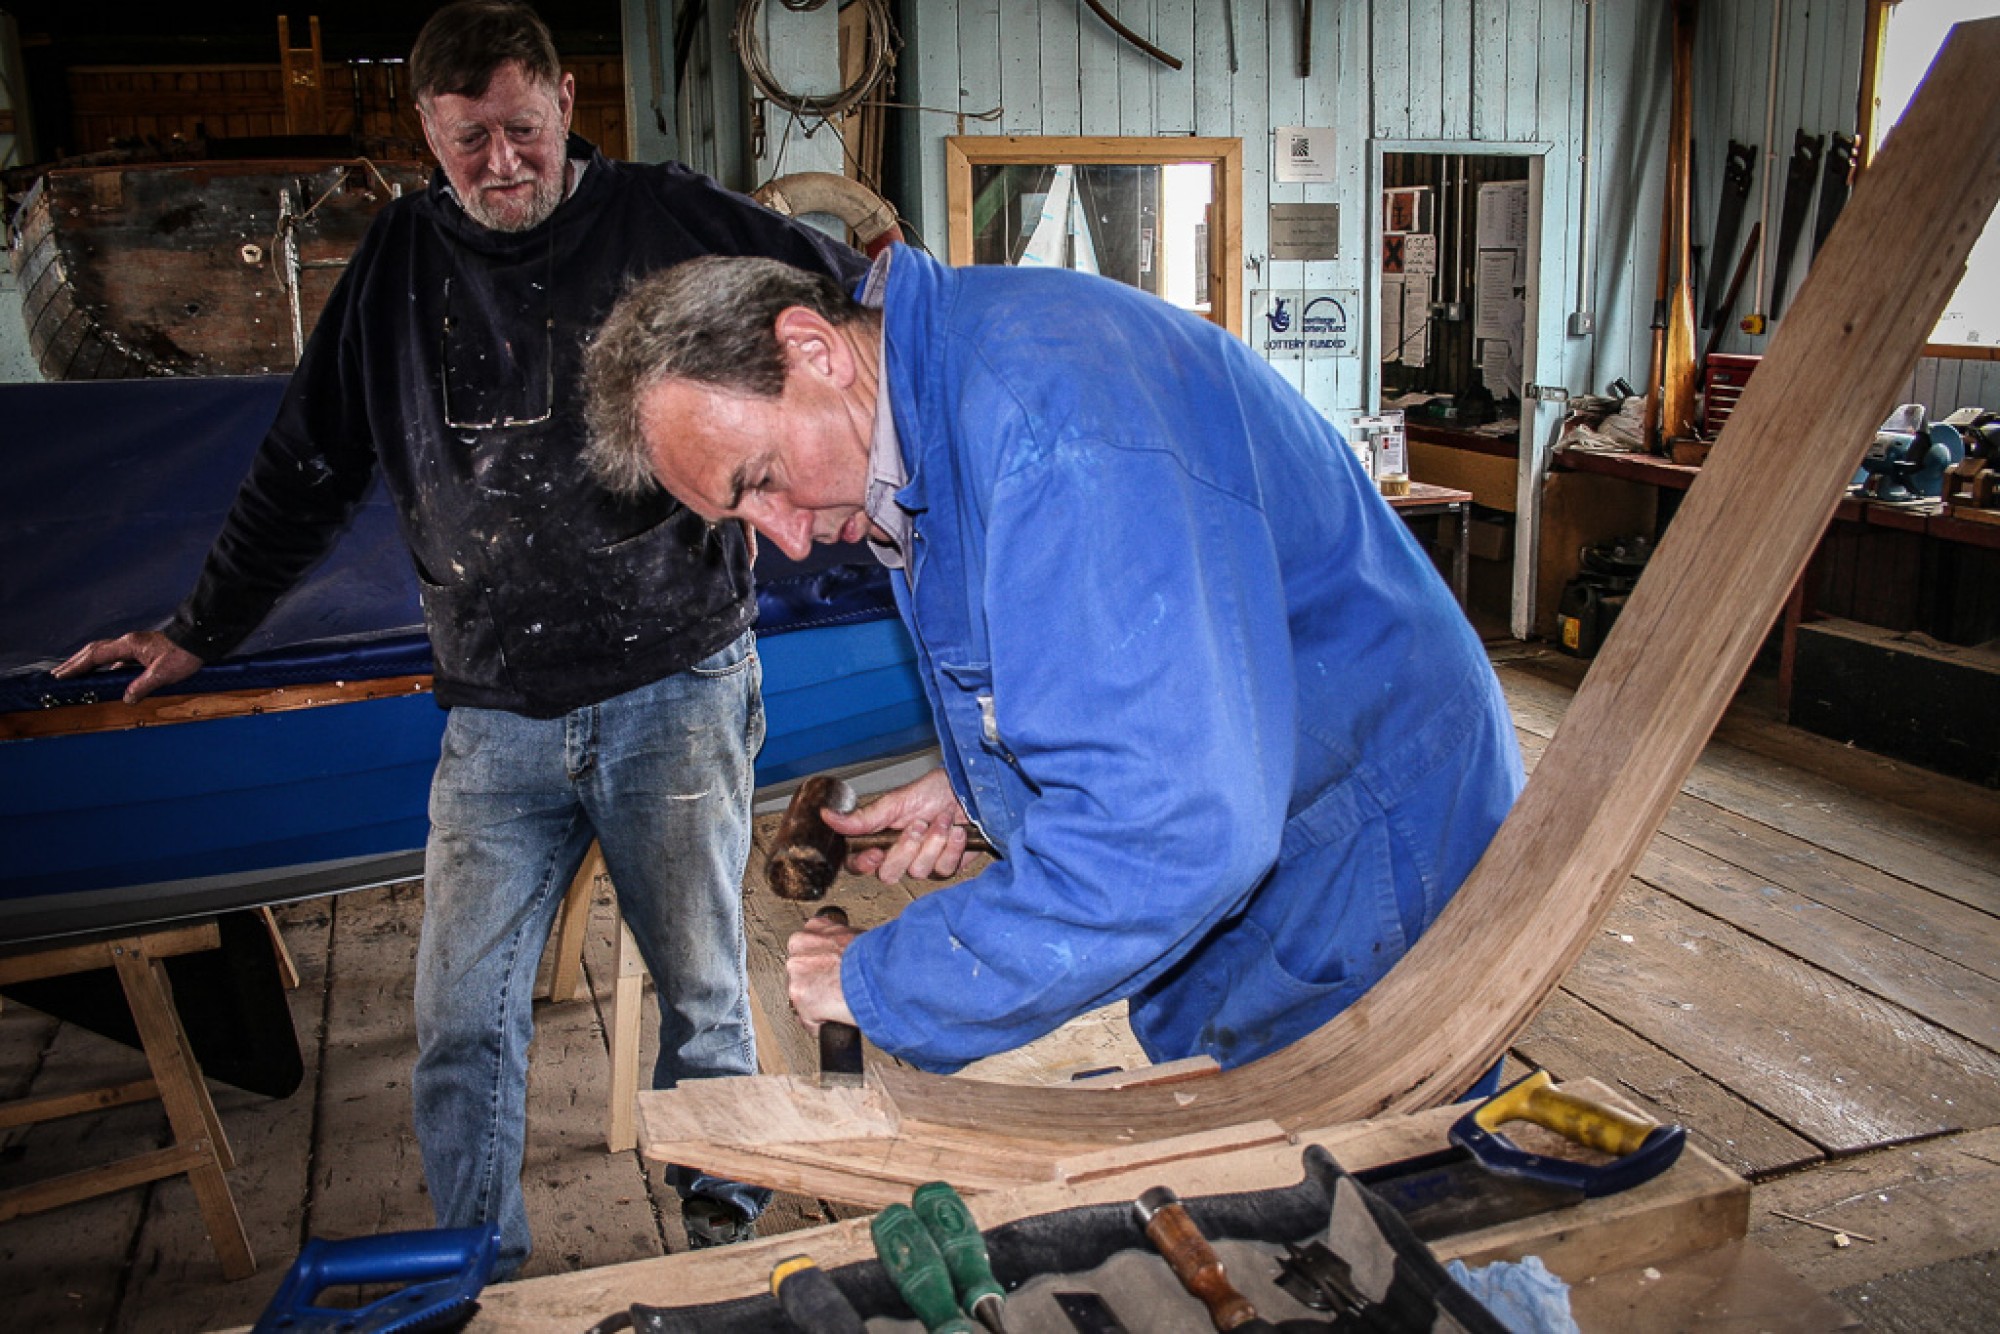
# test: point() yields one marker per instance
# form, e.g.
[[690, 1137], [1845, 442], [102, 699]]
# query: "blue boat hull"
[[113, 828], [110, 494]]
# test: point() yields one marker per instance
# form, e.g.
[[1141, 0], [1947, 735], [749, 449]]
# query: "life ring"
[[872, 218]]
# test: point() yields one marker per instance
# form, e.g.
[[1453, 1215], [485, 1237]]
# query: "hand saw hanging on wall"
[[1737, 170]]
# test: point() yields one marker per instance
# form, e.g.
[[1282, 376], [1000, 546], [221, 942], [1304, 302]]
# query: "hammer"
[[806, 855]]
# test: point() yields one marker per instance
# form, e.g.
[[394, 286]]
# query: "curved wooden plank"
[[1650, 701]]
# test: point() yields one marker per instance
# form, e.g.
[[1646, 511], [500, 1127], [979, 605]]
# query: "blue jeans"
[[661, 776]]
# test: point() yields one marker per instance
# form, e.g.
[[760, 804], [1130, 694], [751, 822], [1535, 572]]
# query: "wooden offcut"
[[1445, 1013]]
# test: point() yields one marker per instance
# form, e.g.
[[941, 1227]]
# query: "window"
[[1914, 31]]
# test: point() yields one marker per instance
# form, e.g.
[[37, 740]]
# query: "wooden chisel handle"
[[1194, 1262]]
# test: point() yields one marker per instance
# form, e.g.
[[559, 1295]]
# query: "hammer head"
[[806, 855]]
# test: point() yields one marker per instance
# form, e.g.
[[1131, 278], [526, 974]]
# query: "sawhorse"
[[199, 1149]]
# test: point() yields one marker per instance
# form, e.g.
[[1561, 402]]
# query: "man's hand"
[[933, 824], [164, 661], [812, 971]]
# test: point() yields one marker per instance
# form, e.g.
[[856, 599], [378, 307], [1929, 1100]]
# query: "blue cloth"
[[661, 775], [1190, 672], [1522, 1295]]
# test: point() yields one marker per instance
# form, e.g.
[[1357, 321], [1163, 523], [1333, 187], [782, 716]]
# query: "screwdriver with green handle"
[[950, 1224], [906, 1250]]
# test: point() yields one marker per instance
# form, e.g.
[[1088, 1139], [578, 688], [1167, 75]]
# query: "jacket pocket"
[[465, 645], [971, 721]]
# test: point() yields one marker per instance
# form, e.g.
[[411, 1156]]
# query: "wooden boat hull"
[[190, 268]]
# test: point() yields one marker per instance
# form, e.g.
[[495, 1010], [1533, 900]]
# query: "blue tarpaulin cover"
[[112, 491]]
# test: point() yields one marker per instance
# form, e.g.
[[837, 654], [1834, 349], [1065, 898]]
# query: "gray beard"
[[548, 194]]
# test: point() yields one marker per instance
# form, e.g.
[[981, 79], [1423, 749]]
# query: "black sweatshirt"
[[542, 592]]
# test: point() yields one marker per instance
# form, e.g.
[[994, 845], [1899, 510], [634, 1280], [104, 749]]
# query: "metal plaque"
[[1305, 231]]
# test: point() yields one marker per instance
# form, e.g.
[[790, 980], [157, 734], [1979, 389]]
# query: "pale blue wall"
[[1500, 73]]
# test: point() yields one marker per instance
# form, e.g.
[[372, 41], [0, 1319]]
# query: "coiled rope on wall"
[[879, 43]]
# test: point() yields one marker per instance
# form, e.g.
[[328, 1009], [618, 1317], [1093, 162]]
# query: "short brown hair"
[[464, 43]]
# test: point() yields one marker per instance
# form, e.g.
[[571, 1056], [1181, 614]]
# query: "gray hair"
[[711, 321]]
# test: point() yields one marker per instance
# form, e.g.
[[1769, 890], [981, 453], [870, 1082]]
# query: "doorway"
[[1455, 269]]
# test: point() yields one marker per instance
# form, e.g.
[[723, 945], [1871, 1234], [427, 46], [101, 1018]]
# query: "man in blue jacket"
[[1192, 676]]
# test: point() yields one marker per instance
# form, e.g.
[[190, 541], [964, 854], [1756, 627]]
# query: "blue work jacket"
[[1190, 673]]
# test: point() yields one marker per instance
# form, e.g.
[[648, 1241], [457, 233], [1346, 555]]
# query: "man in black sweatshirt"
[[594, 651]]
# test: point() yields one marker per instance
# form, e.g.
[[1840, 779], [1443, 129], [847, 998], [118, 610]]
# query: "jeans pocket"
[[732, 659]]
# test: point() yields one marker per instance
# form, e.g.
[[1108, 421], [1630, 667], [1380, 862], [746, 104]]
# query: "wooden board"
[[1923, 1203], [1691, 628], [365, 1078]]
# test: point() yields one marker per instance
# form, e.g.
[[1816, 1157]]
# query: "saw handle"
[[1641, 1149]]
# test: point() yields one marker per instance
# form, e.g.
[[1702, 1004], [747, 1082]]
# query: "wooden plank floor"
[[1805, 971]]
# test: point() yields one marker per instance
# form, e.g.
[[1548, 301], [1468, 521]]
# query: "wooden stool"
[[200, 1150]]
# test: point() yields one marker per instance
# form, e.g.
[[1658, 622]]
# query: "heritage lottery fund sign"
[[1310, 322]]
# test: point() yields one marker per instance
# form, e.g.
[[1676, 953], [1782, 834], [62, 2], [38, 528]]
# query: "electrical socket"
[[1582, 324], [1449, 310]]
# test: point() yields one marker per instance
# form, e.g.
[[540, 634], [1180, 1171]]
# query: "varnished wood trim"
[[160, 711], [1960, 352]]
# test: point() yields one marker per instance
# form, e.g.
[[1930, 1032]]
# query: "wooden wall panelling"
[[1059, 72], [1250, 121], [1210, 83], [1337, 96], [1097, 102], [1284, 104], [970, 66], [1454, 65], [1173, 99], [1422, 77], [1489, 69]]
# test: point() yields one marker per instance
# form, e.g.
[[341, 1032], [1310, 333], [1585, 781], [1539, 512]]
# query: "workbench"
[[1905, 566], [1668, 1254]]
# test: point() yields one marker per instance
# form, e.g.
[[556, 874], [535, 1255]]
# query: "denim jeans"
[[661, 777]]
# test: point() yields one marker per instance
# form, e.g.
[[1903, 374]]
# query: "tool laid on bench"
[[442, 1270], [811, 1300], [1194, 1262], [806, 855], [918, 1270], [950, 1224], [1485, 1178]]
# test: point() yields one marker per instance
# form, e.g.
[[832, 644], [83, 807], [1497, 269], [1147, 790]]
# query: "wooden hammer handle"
[[886, 838]]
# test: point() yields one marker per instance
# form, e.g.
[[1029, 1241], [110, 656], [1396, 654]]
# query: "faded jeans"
[[661, 777]]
